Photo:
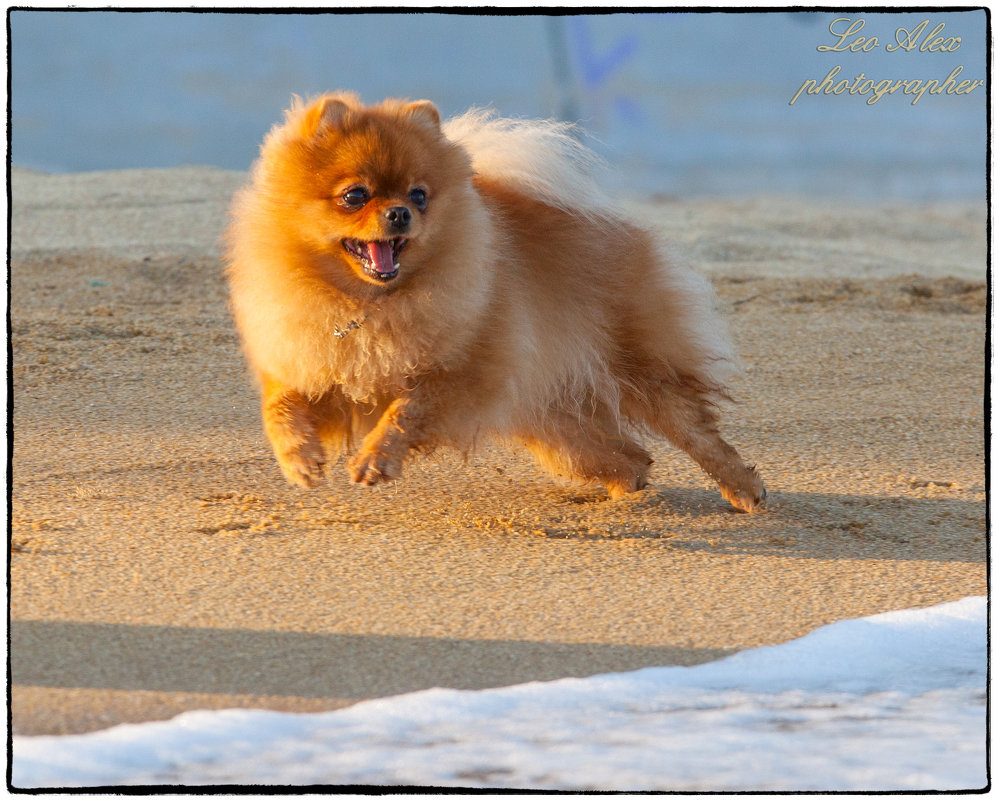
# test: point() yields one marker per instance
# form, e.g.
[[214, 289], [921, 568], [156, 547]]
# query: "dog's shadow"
[[654, 513], [792, 524]]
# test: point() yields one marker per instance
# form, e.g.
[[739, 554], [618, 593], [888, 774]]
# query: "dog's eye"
[[355, 197], [418, 197]]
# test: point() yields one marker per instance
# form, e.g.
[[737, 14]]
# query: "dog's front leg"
[[380, 457], [292, 427]]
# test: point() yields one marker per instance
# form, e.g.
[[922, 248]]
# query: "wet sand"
[[160, 563]]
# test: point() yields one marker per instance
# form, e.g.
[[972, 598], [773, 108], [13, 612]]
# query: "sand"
[[160, 563]]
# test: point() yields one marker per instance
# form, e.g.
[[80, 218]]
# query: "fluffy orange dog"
[[404, 283]]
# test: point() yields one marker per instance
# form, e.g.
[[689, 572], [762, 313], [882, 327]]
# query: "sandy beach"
[[159, 562]]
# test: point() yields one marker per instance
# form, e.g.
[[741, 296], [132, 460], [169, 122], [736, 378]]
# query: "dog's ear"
[[425, 112], [327, 110]]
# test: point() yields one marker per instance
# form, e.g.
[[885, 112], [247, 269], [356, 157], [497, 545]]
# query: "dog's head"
[[367, 187]]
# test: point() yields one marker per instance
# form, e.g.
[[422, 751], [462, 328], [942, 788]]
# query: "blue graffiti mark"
[[598, 67]]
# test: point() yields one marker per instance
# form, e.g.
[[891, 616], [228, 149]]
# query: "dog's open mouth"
[[379, 259]]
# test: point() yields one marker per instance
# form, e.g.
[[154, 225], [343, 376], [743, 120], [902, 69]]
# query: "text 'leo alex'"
[[848, 41]]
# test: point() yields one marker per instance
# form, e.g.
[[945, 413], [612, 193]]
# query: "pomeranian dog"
[[401, 283]]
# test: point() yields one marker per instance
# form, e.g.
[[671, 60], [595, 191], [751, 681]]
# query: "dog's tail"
[[543, 158]]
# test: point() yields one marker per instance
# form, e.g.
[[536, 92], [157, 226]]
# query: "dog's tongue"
[[382, 256]]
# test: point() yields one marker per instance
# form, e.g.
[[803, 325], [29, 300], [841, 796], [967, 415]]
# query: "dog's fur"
[[524, 306]]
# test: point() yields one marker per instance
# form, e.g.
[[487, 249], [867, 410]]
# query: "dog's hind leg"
[[685, 415], [580, 448]]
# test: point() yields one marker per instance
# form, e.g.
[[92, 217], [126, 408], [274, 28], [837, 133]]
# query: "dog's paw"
[[369, 467], [303, 466], [749, 499], [620, 488]]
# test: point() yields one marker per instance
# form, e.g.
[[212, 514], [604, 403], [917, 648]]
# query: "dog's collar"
[[353, 325]]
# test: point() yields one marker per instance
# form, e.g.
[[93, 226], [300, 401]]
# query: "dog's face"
[[368, 188]]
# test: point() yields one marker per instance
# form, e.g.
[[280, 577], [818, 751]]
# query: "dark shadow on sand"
[[175, 659]]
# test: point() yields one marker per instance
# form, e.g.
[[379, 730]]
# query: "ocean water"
[[681, 104], [895, 701]]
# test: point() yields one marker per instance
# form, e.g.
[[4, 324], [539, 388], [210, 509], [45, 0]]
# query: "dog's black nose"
[[399, 218]]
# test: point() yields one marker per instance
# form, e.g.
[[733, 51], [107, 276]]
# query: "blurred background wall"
[[682, 104]]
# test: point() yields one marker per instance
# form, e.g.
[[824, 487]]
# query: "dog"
[[401, 283]]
